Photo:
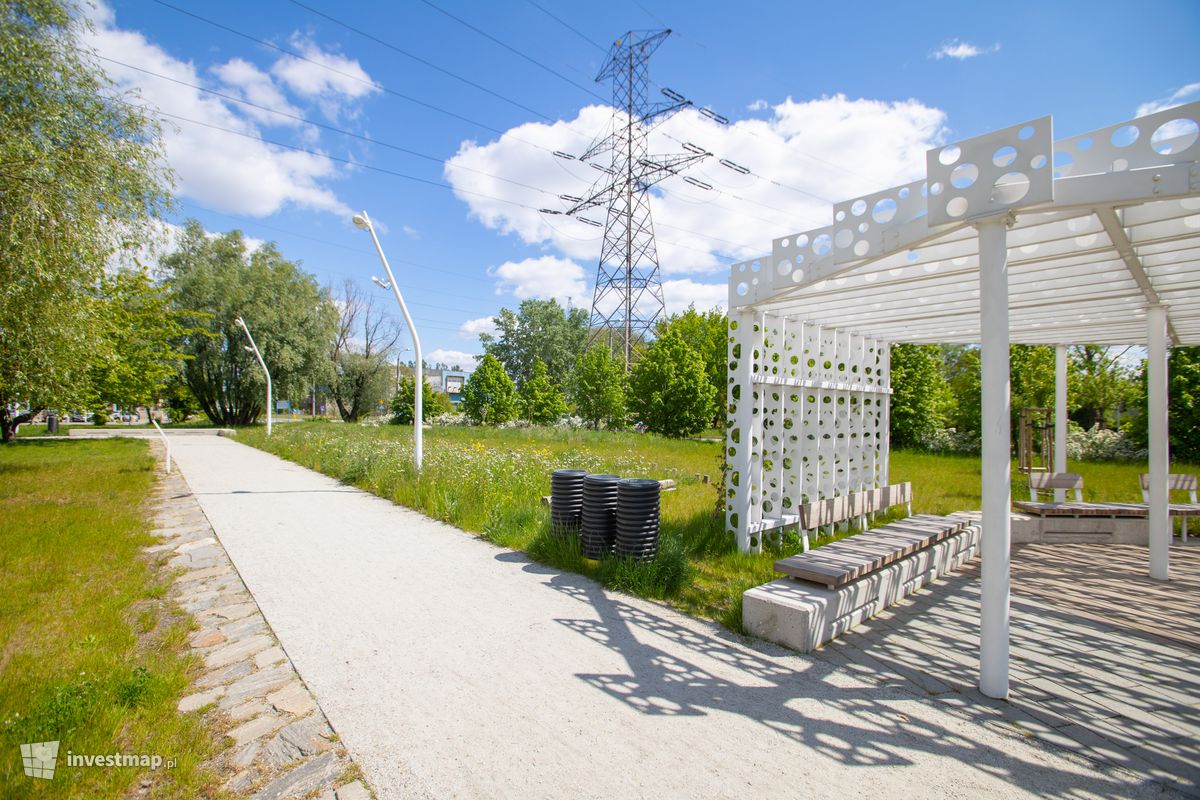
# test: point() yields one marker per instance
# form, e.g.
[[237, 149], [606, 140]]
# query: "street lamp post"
[[253, 348], [361, 220]]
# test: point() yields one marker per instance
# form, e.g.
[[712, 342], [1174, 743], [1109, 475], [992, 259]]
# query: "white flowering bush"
[[1096, 444], [949, 440]]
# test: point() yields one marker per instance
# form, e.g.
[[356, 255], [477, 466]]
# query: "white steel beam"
[[996, 488], [1116, 234], [1156, 414], [1060, 416]]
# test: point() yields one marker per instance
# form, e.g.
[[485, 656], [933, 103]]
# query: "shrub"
[[402, 402], [670, 390], [598, 388], [542, 402], [489, 396], [1096, 444]]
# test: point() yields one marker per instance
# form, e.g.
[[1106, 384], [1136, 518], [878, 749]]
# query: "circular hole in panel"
[[884, 211], [1004, 156], [1084, 144], [957, 207], [862, 247], [784, 243], [933, 266], [1026, 133], [964, 175], [950, 154], [1120, 165], [1124, 136], [802, 240], [754, 281], [1086, 241], [742, 288], [903, 193], [839, 216], [741, 267], [799, 258], [871, 277], [755, 267], [784, 267], [844, 238], [858, 208], [822, 244], [1038, 161], [935, 188], [863, 227], [912, 255], [1175, 136], [1009, 188]]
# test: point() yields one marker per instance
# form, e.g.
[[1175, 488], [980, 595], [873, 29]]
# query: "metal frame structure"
[[1010, 237], [627, 299]]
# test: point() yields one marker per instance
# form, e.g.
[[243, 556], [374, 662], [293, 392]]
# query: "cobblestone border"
[[283, 746]]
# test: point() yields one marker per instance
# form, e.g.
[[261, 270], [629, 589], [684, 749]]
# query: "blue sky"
[[825, 102]]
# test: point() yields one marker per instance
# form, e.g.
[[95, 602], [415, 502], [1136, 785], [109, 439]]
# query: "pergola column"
[[996, 440], [1060, 416], [1156, 415]]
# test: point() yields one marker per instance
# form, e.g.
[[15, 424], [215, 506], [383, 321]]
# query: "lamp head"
[[240, 322], [382, 284], [248, 348], [361, 221]]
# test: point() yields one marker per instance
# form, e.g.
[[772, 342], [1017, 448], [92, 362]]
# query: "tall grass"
[[490, 482], [89, 654]]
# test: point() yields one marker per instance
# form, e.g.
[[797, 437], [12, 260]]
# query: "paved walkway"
[[452, 668]]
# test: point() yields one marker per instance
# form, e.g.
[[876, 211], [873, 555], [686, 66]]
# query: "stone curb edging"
[[284, 747]]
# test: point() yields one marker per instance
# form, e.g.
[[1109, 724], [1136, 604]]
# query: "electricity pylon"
[[628, 298]]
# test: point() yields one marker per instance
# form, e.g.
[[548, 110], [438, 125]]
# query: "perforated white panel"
[[1165, 137], [985, 175], [803, 419]]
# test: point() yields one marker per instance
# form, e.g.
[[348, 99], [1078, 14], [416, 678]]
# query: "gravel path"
[[452, 668]]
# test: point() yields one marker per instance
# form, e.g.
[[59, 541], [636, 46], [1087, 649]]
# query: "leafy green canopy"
[[598, 388], [402, 402], [669, 388], [708, 334], [291, 318], [542, 402], [539, 329], [489, 397], [81, 177], [1183, 404]]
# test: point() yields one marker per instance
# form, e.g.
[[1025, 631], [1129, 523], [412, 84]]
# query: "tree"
[[598, 387], [489, 396], [137, 356], [540, 329], [669, 389], [542, 402], [708, 334], [1183, 404], [920, 396], [961, 368], [1099, 384], [402, 402], [291, 317], [359, 354], [81, 177]]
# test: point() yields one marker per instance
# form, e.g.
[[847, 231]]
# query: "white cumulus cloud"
[[543, 278], [1175, 98], [329, 78], [679, 294], [961, 51], [220, 170], [473, 327], [758, 105], [455, 358], [799, 159]]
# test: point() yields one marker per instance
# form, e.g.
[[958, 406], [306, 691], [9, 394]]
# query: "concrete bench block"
[[804, 616]]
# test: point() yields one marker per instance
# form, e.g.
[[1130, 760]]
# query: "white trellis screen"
[[808, 415]]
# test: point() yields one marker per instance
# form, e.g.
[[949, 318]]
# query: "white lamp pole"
[[361, 220], [253, 348]]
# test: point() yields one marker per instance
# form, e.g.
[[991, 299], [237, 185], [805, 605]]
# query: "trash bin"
[[52, 423]]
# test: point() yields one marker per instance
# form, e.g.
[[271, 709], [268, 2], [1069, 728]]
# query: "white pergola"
[[1011, 237]]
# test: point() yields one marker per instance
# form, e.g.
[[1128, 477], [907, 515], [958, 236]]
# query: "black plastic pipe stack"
[[566, 500], [599, 528], [637, 518]]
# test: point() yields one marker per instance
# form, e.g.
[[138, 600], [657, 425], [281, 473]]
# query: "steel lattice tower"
[[628, 299]]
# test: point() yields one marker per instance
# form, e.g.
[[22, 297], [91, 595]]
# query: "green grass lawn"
[[490, 482], [90, 653]]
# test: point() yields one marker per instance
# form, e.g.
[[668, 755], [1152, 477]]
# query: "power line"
[[420, 60], [514, 50], [334, 129], [566, 25]]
